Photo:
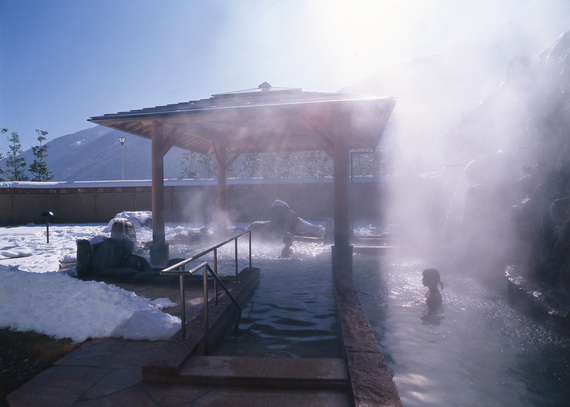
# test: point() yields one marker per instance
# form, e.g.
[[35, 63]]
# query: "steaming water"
[[292, 313], [477, 351]]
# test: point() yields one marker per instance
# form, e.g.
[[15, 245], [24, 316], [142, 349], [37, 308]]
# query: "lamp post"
[[122, 141], [47, 215]]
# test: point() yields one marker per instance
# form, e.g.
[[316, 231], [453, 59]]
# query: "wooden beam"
[[169, 139], [342, 250], [328, 145], [159, 248], [232, 160], [221, 157]]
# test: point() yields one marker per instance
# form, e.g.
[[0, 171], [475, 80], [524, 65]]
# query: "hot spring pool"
[[478, 351], [293, 312]]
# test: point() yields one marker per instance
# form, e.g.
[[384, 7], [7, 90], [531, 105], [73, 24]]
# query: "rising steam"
[[467, 180]]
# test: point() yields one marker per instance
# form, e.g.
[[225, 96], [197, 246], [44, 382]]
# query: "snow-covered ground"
[[35, 296]]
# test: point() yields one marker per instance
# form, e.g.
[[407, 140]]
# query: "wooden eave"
[[248, 127]]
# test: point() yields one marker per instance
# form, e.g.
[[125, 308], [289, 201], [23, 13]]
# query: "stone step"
[[265, 372], [219, 396]]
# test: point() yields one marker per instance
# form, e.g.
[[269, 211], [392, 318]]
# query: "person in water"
[[431, 279], [288, 242]]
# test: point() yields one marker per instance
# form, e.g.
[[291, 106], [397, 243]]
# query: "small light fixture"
[[122, 141], [47, 215]]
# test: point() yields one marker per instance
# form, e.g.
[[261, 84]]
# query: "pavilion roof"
[[262, 120]]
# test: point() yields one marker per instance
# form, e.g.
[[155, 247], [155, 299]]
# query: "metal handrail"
[[181, 274], [178, 270], [214, 249]]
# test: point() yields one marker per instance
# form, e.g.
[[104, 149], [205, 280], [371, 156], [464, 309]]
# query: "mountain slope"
[[95, 154]]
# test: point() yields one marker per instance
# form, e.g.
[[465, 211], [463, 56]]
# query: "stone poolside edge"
[[370, 379]]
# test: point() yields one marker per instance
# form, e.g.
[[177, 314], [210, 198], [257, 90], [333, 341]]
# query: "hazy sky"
[[63, 61]]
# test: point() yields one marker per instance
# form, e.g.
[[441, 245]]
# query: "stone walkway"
[[107, 372]]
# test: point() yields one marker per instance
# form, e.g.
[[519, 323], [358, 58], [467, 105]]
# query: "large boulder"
[[138, 263], [84, 256], [283, 218], [103, 258], [123, 229], [283, 221], [110, 254], [260, 229], [304, 228]]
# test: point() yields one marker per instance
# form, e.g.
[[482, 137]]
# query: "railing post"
[[206, 328], [216, 273], [250, 249], [236, 257], [182, 308]]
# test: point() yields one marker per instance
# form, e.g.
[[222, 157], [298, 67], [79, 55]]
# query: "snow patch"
[[60, 306]]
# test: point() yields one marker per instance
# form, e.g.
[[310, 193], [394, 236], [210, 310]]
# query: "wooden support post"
[[159, 248], [342, 250], [221, 158]]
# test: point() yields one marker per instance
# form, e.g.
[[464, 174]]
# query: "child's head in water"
[[431, 279]]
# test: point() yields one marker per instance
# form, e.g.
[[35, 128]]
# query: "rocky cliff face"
[[518, 143]]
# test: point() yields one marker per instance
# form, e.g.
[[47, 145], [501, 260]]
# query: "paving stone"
[[131, 397], [93, 353], [58, 386], [167, 394], [43, 396], [115, 381], [134, 354]]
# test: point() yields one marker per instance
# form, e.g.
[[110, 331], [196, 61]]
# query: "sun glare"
[[359, 37]]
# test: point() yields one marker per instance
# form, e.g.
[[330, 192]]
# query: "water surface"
[[476, 351], [292, 313]]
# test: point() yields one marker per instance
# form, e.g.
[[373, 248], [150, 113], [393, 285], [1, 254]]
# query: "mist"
[[439, 59], [473, 89], [483, 183], [478, 128]]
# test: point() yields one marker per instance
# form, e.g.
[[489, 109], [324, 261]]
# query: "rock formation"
[[113, 257], [517, 211], [284, 220]]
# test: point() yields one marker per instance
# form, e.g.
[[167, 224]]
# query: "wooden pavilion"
[[261, 120]]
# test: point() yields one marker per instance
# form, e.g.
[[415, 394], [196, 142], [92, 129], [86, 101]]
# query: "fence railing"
[[178, 270], [180, 265]]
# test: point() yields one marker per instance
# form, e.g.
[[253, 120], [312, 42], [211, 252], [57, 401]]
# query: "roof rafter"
[[264, 121]]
